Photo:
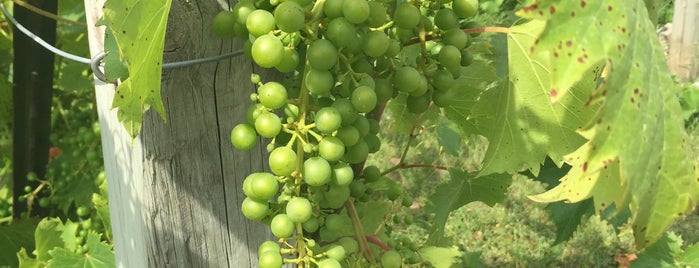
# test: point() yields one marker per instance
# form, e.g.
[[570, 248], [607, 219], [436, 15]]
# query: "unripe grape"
[[290, 60], [316, 171], [299, 209], [466, 58], [455, 37], [268, 125], [373, 142], [270, 246], [243, 137], [262, 186], [260, 22], [341, 32], [322, 54], [272, 95], [465, 8], [267, 51], [377, 14], [346, 110], [442, 80], [450, 56], [329, 263], [357, 188], [242, 9], [342, 174], [289, 16], [331, 148], [333, 8], [270, 260], [223, 24], [406, 16], [336, 252], [418, 104], [328, 120], [336, 196], [362, 125], [375, 43], [371, 173], [443, 98], [355, 11], [319, 82], [311, 225], [282, 226], [406, 79], [349, 135], [357, 153], [282, 161], [363, 99], [446, 19], [253, 209], [349, 244], [391, 259]]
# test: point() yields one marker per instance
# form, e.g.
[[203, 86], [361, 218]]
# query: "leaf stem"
[[359, 231], [407, 145]]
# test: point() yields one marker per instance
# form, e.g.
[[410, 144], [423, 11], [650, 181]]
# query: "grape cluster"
[[344, 60]]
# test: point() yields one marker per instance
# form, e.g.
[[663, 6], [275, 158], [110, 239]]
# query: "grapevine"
[[344, 59]]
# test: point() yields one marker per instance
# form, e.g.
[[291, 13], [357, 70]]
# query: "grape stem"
[[358, 231], [405, 166], [376, 241], [411, 139]]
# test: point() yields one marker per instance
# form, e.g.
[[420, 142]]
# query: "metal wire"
[[97, 60]]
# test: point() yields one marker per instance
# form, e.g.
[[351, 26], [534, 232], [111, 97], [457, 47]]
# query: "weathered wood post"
[[175, 190], [683, 56]]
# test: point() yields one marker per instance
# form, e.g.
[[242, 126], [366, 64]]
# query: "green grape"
[[336, 196], [373, 142], [375, 43], [290, 60], [349, 244], [319, 82], [253, 209], [270, 260], [316, 171], [456, 37], [393, 48], [418, 104], [406, 16], [331, 148], [342, 174], [450, 56], [260, 22], [391, 259], [311, 225], [465, 8], [333, 8], [357, 153], [341, 32], [357, 188], [267, 51], [289, 16], [383, 89], [268, 125], [394, 191], [322, 54], [272, 95], [443, 98], [426, 23], [347, 112], [363, 99], [263, 186], [240, 31], [28, 188], [282, 161], [336, 223], [374, 127], [299, 209], [408, 219], [336, 252], [282, 226], [355, 11], [328, 120], [329, 263], [407, 201], [270, 246], [377, 14], [406, 79], [442, 80], [421, 87], [466, 57], [223, 24], [241, 10], [83, 212], [291, 111], [44, 202], [371, 173], [362, 125], [446, 19], [349, 135]]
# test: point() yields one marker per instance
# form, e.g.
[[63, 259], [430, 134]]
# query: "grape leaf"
[[568, 216], [517, 117], [76, 191], [463, 188], [449, 137], [13, 237], [98, 255], [691, 256], [660, 254], [27, 262], [637, 142], [440, 257], [139, 29], [48, 236], [466, 89]]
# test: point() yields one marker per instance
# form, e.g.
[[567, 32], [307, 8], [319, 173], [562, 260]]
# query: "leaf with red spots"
[[521, 123], [636, 155], [139, 29]]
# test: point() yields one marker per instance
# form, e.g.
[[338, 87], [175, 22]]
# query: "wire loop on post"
[[96, 62]]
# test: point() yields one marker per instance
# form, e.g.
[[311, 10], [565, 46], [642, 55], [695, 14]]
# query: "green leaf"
[[691, 256], [661, 254], [13, 237], [568, 216], [373, 214], [449, 137], [76, 191], [27, 262], [141, 42], [467, 88], [518, 118], [98, 255], [463, 188], [48, 236], [472, 260], [102, 207], [114, 68], [637, 140], [440, 257]]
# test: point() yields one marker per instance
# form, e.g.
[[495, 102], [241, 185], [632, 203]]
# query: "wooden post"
[[175, 191], [684, 41]]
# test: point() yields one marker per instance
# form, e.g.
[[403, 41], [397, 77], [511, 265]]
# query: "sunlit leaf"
[[440, 257]]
